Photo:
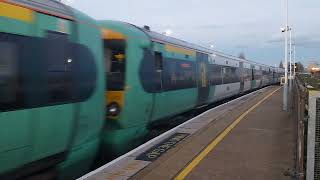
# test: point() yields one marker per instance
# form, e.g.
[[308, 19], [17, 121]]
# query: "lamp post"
[[290, 59], [290, 50], [285, 88], [294, 60]]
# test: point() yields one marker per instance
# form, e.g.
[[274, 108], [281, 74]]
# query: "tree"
[[242, 55], [281, 64], [299, 67]]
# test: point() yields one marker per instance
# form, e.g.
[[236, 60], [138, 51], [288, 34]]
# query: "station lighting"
[[315, 68], [285, 89], [168, 32]]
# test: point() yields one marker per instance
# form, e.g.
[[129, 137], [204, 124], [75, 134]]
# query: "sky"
[[231, 26]]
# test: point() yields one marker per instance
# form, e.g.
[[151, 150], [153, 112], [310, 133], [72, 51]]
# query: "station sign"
[[159, 149]]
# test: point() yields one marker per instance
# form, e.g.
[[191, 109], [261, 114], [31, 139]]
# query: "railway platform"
[[247, 138]]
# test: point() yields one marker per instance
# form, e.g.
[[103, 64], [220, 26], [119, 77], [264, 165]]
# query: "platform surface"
[[260, 146]]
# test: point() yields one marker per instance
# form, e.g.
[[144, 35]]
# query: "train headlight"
[[113, 109]]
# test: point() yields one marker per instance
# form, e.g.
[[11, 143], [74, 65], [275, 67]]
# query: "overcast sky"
[[232, 26]]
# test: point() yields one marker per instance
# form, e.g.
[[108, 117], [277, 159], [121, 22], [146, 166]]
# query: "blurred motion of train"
[[70, 84]]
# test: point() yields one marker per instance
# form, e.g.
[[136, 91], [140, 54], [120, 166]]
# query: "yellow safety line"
[[216, 141]]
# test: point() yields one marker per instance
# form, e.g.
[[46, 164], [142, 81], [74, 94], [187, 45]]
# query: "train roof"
[[174, 41], [51, 7], [157, 37]]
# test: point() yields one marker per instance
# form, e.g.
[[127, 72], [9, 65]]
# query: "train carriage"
[[51, 89], [156, 77]]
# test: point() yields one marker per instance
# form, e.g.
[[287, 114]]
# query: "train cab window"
[[8, 75], [115, 58]]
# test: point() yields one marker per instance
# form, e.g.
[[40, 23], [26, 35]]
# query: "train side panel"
[[177, 92], [47, 76], [16, 146], [26, 124], [91, 113]]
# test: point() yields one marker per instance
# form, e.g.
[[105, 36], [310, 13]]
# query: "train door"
[[241, 77], [203, 83], [161, 98], [115, 62], [273, 77], [57, 35], [253, 82]]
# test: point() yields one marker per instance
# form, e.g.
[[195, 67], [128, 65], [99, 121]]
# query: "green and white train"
[[151, 77], [73, 88]]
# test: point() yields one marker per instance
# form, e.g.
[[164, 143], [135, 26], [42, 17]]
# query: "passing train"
[[73, 88], [151, 77], [52, 88]]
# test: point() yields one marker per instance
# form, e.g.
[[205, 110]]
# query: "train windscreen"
[[114, 52]]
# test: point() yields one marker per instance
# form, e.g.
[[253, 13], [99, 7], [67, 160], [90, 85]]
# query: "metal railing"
[[299, 101], [305, 111]]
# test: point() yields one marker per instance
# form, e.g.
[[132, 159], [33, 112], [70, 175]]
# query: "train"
[[152, 77], [74, 89]]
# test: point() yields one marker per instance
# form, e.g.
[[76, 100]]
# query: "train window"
[[158, 61], [230, 75], [175, 73], [247, 73], [115, 58], [8, 74], [215, 77], [178, 74], [51, 75], [224, 70], [258, 74], [59, 67]]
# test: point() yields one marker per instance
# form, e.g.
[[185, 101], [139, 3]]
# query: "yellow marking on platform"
[[16, 12], [183, 174]]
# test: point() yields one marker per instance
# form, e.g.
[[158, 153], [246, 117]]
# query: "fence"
[[299, 101]]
